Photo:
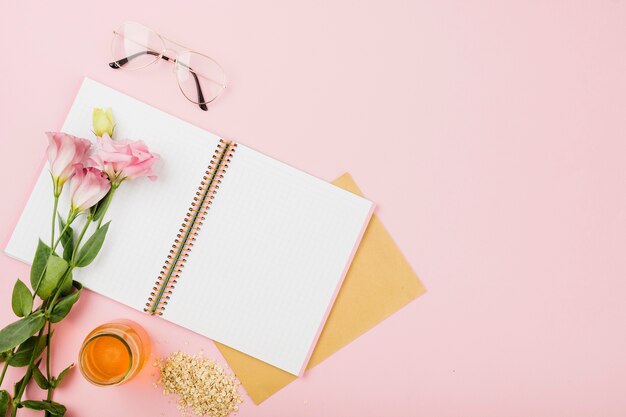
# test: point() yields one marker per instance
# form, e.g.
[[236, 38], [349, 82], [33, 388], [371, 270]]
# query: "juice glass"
[[113, 353]]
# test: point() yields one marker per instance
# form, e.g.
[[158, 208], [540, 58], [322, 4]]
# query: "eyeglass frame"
[[161, 55]]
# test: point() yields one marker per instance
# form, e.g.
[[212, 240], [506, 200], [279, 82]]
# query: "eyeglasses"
[[200, 78]]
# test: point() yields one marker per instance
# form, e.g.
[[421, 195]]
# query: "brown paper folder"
[[378, 283]]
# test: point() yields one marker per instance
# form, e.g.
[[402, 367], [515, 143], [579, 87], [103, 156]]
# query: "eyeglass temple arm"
[[118, 64], [199, 90]]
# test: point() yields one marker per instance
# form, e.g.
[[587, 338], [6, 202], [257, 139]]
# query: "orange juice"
[[114, 352]]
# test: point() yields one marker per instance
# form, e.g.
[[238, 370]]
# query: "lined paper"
[[268, 259]]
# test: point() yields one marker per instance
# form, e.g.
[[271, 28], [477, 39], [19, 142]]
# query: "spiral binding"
[[175, 261]]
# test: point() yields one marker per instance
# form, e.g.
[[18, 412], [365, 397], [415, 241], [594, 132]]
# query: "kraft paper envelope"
[[378, 283]]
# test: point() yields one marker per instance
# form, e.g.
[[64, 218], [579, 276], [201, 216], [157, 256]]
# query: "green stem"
[[54, 219], [70, 218], [69, 270], [53, 245], [4, 370], [52, 304], [48, 373], [58, 290], [29, 371], [48, 350], [68, 222], [56, 242], [48, 311]]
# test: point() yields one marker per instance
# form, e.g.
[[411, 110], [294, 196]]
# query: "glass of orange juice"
[[114, 352]]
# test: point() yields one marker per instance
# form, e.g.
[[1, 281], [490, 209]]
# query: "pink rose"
[[88, 186], [123, 159], [64, 152]]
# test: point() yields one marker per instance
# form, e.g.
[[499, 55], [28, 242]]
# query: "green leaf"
[[39, 378], [66, 287], [67, 240], [55, 269], [4, 356], [90, 249], [98, 210], [18, 384], [17, 332], [63, 307], [55, 408], [26, 350], [77, 285], [22, 300], [62, 375], [5, 401], [39, 263]]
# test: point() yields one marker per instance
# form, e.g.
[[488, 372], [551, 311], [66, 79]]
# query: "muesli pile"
[[203, 387]]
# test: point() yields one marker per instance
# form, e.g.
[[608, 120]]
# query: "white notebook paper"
[[267, 260]]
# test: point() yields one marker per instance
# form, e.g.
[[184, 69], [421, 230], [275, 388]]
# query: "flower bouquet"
[[94, 172]]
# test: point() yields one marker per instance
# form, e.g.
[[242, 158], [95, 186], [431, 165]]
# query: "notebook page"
[[145, 215], [268, 260]]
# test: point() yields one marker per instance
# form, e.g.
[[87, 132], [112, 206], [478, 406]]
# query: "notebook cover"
[[379, 282]]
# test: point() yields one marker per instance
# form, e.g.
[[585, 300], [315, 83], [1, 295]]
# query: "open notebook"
[[272, 243]]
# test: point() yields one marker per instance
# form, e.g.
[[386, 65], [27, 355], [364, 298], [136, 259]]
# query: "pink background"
[[491, 135]]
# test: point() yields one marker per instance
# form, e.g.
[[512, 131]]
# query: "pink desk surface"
[[492, 135]]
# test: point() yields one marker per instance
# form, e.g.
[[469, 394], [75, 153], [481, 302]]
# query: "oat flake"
[[203, 387]]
